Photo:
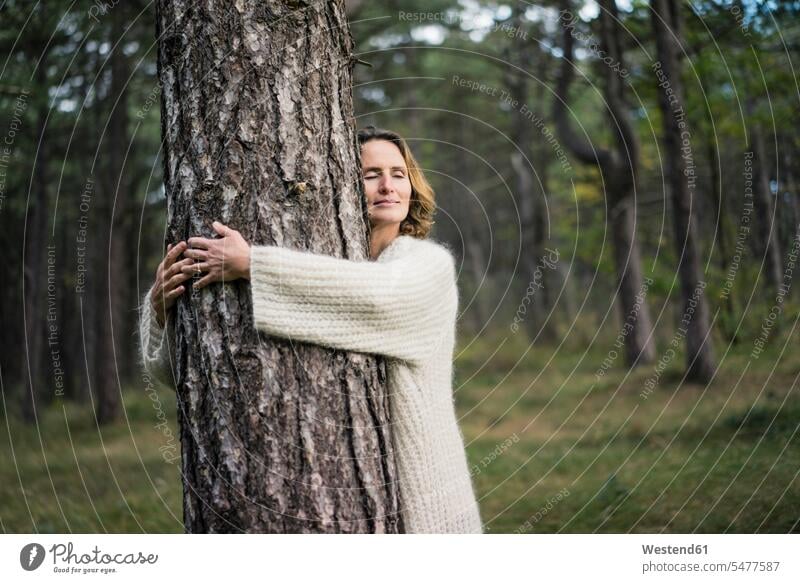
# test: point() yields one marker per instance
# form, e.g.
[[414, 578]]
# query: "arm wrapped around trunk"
[[399, 308], [153, 344]]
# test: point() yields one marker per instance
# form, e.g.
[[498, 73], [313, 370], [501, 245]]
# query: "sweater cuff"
[[153, 333], [261, 276]]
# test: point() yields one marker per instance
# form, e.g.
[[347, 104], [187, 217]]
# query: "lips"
[[386, 203]]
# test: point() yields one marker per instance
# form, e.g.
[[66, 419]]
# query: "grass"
[[551, 448], [595, 456], [66, 475]]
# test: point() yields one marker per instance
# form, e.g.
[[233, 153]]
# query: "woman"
[[402, 304]]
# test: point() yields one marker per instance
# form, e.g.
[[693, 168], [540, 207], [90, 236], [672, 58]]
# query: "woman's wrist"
[[157, 314], [245, 272]]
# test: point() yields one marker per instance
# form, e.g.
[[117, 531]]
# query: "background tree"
[[525, 75], [618, 166], [681, 177]]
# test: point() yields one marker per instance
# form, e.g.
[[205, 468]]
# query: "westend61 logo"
[[65, 560]]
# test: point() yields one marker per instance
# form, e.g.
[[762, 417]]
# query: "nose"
[[385, 185]]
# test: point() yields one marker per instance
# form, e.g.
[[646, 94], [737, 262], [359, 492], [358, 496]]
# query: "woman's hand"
[[169, 276], [224, 259]]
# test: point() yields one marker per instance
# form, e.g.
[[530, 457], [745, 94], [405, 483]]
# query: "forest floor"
[[551, 446], [555, 447]]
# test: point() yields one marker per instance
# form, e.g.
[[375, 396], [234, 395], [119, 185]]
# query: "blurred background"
[[541, 127]]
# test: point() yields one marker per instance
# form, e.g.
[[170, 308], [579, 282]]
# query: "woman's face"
[[386, 182]]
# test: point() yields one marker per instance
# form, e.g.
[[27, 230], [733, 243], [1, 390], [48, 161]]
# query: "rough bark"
[[618, 165], [668, 32], [257, 126]]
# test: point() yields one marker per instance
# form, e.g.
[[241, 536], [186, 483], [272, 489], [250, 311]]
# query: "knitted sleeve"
[[153, 344], [399, 308]]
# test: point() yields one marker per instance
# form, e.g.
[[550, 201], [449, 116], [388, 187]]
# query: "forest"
[[617, 179]]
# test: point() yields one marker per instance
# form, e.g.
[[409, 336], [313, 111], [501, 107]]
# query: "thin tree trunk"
[[639, 344], [470, 217], [34, 263], [680, 176], [113, 267], [790, 182], [531, 187], [767, 226], [618, 167], [257, 125], [721, 230], [559, 279], [722, 222]]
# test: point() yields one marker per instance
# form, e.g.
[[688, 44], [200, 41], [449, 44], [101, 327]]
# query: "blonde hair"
[[422, 205]]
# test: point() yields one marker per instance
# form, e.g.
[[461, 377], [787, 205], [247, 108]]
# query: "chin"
[[389, 218], [391, 215]]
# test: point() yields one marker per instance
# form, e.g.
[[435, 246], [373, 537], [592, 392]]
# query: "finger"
[[196, 254], [200, 284], [175, 293], [158, 291], [221, 229], [176, 279], [173, 253], [199, 242], [175, 250], [196, 268], [177, 267]]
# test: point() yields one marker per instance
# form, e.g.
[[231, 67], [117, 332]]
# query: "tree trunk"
[[34, 263], [632, 293], [721, 230], [766, 225], [257, 126], [469, 216], [113, 266], [790, 184], [680, 176], [618, 167], [530, 170]]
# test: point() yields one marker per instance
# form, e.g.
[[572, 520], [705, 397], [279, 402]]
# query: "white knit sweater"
[[402, 306]]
